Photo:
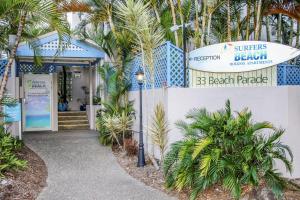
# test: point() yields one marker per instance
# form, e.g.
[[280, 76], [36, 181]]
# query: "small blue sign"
[[13, 113]]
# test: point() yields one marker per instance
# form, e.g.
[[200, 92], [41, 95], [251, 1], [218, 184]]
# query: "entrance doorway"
[[73, 90], [73, 97]]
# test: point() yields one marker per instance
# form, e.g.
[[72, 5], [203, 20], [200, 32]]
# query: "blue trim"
[[168, 63]]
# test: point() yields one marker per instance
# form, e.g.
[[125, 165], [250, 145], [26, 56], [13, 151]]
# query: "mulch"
[[155, 178], [25, 184]]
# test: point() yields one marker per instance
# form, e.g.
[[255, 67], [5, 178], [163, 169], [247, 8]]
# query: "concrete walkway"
[[80, 168]]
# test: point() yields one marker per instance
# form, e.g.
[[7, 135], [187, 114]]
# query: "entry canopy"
[[74, 51], [240, 56]]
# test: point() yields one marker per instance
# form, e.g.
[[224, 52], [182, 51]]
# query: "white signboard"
[[240, 56], [37, 105]]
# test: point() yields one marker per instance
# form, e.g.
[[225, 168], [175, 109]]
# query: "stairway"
[[73, 120]]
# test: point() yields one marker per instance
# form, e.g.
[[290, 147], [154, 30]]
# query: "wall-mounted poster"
[[37, 104]]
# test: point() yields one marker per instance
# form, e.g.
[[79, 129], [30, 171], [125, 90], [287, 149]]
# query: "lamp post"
[[141, 156], [173, 29]]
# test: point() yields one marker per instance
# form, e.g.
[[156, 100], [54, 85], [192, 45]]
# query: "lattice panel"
[[160, 68], [2, 66], [176, 67], [30, 67], [288, 75], [54, 45], [168, 67]]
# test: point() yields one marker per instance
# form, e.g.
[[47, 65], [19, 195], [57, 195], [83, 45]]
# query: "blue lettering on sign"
[[251, 55]]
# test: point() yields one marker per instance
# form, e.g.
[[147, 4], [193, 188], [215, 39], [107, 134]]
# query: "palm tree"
[[46, 11], [248, 16], [196, 24], [204, 13], [258, 20], [228, 21], [172, 7]]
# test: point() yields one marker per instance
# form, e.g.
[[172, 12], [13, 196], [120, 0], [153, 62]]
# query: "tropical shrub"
[[8, 144], [159, 129], [8, 147], [115, 119], [227, 149]]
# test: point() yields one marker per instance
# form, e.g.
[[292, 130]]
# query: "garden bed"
[[154, 178], [26, 184]]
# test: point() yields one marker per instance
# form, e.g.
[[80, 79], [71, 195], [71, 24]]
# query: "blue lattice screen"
[[168, 67], [288, 74], [2, 66], [30, 67]]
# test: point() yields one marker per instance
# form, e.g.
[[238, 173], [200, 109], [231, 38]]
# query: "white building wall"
[[278, 105]]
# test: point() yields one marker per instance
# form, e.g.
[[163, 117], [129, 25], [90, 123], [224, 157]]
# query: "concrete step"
[[73, 122], [72, 113], [74, 127], [64, 118]]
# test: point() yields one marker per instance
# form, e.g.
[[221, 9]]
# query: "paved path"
[[80, 168]]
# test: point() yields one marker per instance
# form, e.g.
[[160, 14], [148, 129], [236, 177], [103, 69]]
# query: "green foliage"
[[8, 144], [8, 147], [116, 117], [227, 149], [160, 129]]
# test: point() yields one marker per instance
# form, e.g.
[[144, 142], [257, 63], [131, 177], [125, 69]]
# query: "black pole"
[[184, 54], [141, 155]]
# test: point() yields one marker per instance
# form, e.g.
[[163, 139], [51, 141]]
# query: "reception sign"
[[37, 106], [240, 56]]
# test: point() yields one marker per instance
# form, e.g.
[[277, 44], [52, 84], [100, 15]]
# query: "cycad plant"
[[227, 149]]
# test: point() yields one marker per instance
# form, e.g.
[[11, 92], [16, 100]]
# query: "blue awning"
[[49, 47]]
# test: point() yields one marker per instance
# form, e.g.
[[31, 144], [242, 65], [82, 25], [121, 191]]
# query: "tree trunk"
[[182, 21], [208, 28], [180, 11], [279, 37], [203, 22], [238, 31], [291, 32], [197, 27], [12, 54], [248, 20], [298, 35], [228, 22], [258, 21], [268, 29], [174, 20]]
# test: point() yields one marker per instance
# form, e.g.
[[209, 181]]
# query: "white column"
[[54, 103], [92, 123]]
